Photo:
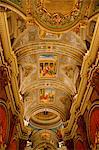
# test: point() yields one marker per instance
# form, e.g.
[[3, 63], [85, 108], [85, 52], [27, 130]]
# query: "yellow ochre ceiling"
[[49, 72], [60, 6], [49, 59]]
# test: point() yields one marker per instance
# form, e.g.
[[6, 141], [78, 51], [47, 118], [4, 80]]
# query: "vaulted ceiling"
[[49, 42], [49, 75]]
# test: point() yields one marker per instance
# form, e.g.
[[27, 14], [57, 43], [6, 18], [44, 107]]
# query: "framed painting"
[[47, 66], [47, 95]]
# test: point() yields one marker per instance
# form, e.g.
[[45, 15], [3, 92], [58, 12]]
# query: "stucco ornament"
[[58, 15]]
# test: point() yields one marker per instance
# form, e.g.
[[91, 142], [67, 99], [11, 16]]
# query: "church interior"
[[49, 74]]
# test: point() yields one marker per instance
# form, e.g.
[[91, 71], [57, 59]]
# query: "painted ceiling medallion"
[[65, 5], [58, 15]]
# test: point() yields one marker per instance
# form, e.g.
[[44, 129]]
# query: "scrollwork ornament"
[[57, 21]]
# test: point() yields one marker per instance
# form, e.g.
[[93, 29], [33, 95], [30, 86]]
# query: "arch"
[[14, 8]]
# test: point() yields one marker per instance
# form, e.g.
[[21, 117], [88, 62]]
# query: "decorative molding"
[[8, 57], [9, 5], [58, 22], [89, 59]]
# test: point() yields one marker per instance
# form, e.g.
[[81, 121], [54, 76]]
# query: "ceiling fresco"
[[53, 15], [66, 5], [48, 68], [58, 15], [49, 74], [50, 85], [48, 42], [49, 61]]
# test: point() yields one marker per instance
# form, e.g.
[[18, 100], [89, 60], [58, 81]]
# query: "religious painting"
[[47, 95], [47, 65]]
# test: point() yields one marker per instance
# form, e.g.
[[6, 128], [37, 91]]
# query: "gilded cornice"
[[37, 47], [85, 90], [8, 56], [50, 107], [43, 138], [48, 83], [17, 108], [56, 47], [58, 21], [15, 8]]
